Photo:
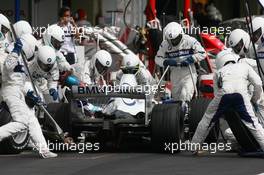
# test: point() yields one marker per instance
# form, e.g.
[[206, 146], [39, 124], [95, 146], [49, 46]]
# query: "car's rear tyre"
[[14, 144], [166, 126], [243, 136], [197, 109]]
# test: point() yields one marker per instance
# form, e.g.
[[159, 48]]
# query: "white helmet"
[[130, 60], [54, 36], [4, 26], [102, 60], [29, 45], [239, 41], [22, 27], [173, 33], [224, 57], [130, 64], [258, 30], [46, 58]]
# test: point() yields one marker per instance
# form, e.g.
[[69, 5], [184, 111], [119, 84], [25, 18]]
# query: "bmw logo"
[[128, 63], [107, 63], [49, 60], [231, 42]]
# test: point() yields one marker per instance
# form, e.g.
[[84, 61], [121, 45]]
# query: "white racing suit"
[[13, 80], [260, 54], [3, 56], [62, 63], [260, 106], [44, 80], [233, 93], [181, 78], [4, 44], [89, 75], [252, 63]]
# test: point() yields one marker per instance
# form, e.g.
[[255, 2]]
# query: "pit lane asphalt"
[[134, 160]]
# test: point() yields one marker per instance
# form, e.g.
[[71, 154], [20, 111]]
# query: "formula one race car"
[[106, 114], [109, 113], [135, 113]]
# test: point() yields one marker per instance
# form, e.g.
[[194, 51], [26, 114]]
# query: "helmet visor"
[[4, 29], [56, 43], [130, 70], [100, 68], [176, 41], [238, 47], [256, 35], [45, 67]]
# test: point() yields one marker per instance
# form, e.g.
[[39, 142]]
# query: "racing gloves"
[[32, 99], [19, 68], [54, 93], [169, 62], [17, 47], [172, 62], [187, 61]]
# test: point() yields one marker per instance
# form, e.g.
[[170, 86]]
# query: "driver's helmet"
[[130, 64]]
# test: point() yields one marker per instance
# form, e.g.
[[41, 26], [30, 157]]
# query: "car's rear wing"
[[106, 91], [78, 92]]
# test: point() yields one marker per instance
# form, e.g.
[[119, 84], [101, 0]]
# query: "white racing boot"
[[38, 139], [47, 154]]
